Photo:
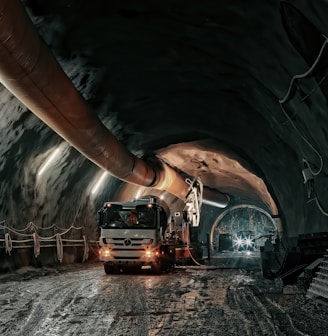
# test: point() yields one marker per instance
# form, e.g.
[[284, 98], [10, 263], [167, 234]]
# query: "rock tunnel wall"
[[26, 142]]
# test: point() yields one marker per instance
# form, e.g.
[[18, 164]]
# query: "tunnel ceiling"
[[196, 83]]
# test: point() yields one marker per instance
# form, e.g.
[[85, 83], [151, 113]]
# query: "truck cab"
[[132, 236]]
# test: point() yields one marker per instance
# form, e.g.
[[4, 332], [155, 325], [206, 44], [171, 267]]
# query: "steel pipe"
[[29, 70]]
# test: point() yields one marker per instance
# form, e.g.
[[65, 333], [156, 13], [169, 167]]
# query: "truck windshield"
[[130, 218]]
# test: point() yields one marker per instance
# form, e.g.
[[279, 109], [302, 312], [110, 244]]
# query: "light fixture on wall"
[[99, 182], [51, 158]]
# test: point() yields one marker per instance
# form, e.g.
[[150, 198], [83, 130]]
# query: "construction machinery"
[[141, 234]]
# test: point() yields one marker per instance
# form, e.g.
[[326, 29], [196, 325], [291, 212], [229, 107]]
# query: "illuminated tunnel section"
[[242, 228]]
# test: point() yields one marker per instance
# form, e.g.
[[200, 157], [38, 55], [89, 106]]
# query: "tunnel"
[[152, 94]]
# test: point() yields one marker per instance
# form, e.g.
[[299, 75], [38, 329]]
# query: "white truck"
[[140, 234]]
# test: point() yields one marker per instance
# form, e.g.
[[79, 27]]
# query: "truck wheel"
[[108, 269], [158, 268]]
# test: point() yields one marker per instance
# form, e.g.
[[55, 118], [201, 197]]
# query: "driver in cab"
[[133, 217]]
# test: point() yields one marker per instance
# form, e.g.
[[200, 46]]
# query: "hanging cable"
[[315, 198], [305, 74], [288, 96], [306, 141], [291, 92]]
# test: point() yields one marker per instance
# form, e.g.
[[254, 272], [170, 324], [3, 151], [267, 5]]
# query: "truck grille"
[[125, 249], [128, 242]]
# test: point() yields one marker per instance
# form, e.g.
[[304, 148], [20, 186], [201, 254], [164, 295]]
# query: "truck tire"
[[158, 268], [108, 268]]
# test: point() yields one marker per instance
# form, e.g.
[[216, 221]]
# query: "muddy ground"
[[82, 300]]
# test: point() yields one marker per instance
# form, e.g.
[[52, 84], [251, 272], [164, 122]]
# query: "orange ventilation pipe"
[[29, 71]]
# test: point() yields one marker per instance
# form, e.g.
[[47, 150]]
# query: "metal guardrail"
[[30, 237]]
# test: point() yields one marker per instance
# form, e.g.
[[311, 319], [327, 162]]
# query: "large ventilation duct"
[[29, 71]]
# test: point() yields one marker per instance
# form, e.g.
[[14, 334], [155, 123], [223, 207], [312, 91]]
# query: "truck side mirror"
[[100, 216]]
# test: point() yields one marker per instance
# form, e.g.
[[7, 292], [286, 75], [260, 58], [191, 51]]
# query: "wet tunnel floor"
[[83, 300]]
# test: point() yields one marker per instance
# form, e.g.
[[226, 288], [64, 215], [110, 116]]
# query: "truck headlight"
[[151, 253], [104, 252]]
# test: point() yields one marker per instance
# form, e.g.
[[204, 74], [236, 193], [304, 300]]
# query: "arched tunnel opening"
[[210, 114], [243, 228]]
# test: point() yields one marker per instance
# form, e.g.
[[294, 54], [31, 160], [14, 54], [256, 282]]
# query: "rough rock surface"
[[83, 300], [174, 74]]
